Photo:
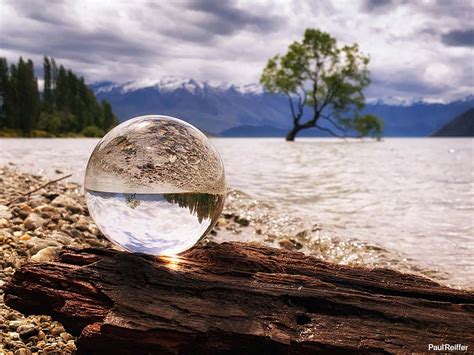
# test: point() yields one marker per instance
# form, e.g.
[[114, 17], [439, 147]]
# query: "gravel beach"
[[34, 226]]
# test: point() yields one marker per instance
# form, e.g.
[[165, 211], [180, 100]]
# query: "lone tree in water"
[[317, 73]]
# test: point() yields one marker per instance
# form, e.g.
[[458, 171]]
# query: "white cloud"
[[416, 48]]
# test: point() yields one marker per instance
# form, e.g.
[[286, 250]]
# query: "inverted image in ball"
[[155, 185]]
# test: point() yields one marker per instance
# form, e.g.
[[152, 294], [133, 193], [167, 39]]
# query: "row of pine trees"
[[66, 107]]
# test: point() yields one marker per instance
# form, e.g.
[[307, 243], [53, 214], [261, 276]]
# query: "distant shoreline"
[[40, 134], [365, 139]]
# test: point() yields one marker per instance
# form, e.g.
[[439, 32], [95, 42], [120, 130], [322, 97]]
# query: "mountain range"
[[461, 126], [247, 110]]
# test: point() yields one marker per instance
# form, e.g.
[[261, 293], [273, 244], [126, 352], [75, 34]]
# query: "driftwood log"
[[239, 298]]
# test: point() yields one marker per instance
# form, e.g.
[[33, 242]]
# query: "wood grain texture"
[[239, 298]]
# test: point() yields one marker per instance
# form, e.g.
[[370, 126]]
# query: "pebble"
[[27, 331], [57, 330], [34, 221], [51, 347], [25, 237], [71, 346], [242, 221], [66, 336], [4, 222], [14, 324], [36, 244], [46, 254], [290, 244], [82, 224], [67, 202], [14, 335], [4, 212]]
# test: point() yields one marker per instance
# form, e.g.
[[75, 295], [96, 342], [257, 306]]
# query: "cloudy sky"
[[418, 48]]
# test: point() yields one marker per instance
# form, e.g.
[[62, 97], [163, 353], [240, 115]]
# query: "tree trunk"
[[238, 298], [290, 137]]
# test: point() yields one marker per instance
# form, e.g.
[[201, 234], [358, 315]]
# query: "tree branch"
[[329, 131], [301, 103], [330, 92], [292, 107], [37, 189], [335, 124], [334, 134]]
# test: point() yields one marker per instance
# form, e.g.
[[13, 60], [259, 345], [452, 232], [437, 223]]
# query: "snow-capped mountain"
[[213, 108], [239, 110], [171, 83]]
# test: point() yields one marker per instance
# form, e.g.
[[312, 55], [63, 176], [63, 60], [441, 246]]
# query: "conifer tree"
[[109, 119], [28, 98], [3, 90], [54, 74], [48, 89], [11, 99], [60, 94]]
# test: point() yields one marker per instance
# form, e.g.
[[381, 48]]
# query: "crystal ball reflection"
[[155, 185]]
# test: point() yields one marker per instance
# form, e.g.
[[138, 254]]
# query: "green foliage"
[[368, 125], [38, 133], [67, 107], [319, 74], [92, 131], [9, 133]]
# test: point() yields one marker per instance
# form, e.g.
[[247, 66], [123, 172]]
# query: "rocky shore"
[[34, 228]]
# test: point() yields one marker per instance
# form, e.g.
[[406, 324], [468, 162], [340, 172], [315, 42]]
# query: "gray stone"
[[36, 244], [67, 202], [61, 238], [34, 221], [4, 212]]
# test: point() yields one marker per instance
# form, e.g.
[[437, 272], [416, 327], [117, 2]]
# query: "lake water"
[[402, 203]]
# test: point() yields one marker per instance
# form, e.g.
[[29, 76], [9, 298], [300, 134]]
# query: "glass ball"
[[155, 185]]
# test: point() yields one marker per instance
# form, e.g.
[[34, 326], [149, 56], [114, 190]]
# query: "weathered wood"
[[239, 298]]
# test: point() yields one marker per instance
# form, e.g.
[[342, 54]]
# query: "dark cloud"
[[54, 13], [74, 44], [460, 10], [375, 5], [459, 38], [202, 22], [224, 18]]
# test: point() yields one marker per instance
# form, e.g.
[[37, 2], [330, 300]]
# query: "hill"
[[246, 110], [461, 126]]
